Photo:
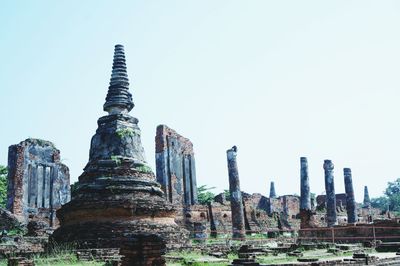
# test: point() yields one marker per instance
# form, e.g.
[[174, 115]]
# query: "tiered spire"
[[367, 200], [119, 99], [272, 193]]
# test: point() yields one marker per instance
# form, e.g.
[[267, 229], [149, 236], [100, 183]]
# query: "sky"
[[278, 79]]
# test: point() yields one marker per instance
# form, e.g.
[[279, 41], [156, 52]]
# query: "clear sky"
[[279, 79]]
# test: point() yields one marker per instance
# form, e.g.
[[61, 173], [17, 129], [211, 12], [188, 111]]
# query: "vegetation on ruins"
[[125, 132], [227, 194], [313, 196], [74, 187], [116, 159], [391, 199], [3, 186], [143, 168], [204, 195], [60, 256]]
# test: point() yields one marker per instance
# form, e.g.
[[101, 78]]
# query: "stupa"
[[117, 201]]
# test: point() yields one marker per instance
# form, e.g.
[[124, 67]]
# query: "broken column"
[[350, 201], [272, 193], [38, 183], [306, 214], [367, 201], [118, 202], [305, 197], [238, 226], [331, 217]]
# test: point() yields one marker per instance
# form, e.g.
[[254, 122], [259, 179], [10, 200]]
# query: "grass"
[[59, 255], [197, 264], [125, 132], [60, 261], [188, 257], [143, 168], [116, 159], [319, 253]]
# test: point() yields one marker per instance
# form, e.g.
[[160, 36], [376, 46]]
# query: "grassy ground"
[[59, 260], [51, 262], [270, 259]]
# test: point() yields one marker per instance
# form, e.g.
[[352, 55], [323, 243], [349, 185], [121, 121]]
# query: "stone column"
[[238, 228], [330, 194], [367, 201], [305, 198], [350, 201], [272, 193], [193, 179], [213, 226], [307, 218]]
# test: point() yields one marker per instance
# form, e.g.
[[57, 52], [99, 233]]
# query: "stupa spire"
[[119, 99]]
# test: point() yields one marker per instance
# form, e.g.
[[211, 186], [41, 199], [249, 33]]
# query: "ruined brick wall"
[[288, 204], [222, 217], [364, 214], [340, 198], [38, 183], [384, 230], [257, 218], [175, 166]]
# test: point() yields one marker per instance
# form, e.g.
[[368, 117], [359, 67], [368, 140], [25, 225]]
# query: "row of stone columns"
[[305, 200], [238, 223]]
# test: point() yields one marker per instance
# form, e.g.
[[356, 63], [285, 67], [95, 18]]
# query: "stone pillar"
[[331, 218], [193, 179], [272, 193], [238, 227], [213, 226], [367, 201], [307, 216], [350, 201], [305, 198]]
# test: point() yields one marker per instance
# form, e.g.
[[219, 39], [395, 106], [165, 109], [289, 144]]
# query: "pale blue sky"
[[279, 79]]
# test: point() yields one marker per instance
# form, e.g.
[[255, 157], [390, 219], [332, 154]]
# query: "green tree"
[[3, 186], [227, 194], [391, 198], [381, 203], [393, 193], [204, 195]]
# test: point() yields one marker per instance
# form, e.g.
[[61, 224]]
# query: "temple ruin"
[[175, 167], [118, 202], [38, 183], [120, 207]]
